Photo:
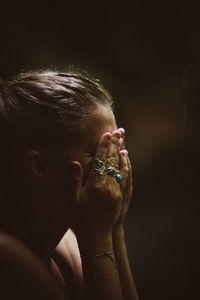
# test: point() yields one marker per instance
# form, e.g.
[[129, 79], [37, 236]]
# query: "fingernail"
[[124, 153], [109, 136], [118, 134], [122, 129]]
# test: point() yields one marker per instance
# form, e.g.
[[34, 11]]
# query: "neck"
[[38, 222], [39, 238], [42, 243]]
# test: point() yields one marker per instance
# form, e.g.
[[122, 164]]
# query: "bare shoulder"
[[23, 275], [69, 250], [69, 263], [12, 249], [15, 253]]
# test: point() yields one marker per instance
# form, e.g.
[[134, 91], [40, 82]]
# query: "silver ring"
[[99, 166], [112, 172]]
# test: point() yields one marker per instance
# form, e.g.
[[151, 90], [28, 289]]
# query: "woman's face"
[[101, 121], [59, 188]]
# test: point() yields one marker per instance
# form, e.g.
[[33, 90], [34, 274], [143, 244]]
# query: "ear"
[[37, 166], [76, 171]]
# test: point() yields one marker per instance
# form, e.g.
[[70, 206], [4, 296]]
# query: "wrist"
[[118, 233], [120, 222], [91, 245], [118, 228]]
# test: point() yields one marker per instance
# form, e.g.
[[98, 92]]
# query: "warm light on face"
[[101, 121]]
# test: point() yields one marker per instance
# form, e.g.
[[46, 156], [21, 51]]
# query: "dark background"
[[147, 54]]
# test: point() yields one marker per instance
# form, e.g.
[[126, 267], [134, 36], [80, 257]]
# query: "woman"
[[63, 166]]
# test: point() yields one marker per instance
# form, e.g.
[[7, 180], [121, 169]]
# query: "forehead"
[[101, 120]]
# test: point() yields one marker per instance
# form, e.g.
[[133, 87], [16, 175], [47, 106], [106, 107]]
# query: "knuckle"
[[112, 160], [96, 190], [126, 169], [109, 191], [97, 186], [101, 156]]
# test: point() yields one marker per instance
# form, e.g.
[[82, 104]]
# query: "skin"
[[51, 180], [127, 283], [82, 198], [101, 121]]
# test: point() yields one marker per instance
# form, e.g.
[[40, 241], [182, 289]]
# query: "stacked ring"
[[112, 172], [118, 178], [99, 167]]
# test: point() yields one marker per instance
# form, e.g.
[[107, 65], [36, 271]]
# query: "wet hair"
[[42, 108]]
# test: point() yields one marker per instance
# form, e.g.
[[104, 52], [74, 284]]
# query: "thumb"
[[76, 172]]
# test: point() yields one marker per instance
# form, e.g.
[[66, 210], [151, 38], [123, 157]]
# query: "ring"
[[99, 166], [112, 172], [118, 178]]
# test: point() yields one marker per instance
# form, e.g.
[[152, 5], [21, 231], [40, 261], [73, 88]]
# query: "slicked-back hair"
[[42, 106]]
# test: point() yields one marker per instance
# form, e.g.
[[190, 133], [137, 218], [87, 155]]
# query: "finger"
[[124, 168], [113, 150], [122, 145], [130, 175], [102, 147], [122, 131], [76, 172], [100, 154]]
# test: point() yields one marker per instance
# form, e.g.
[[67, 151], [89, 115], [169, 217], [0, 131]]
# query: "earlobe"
[[36, 166]]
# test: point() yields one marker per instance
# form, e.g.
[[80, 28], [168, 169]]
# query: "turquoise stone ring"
[[118, 177], [112, 172]]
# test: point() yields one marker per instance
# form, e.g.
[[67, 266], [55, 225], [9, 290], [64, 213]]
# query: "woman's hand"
[[100, 206], [97, 205]]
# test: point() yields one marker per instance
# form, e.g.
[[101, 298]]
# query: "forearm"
[[126, 278], [101, 278]]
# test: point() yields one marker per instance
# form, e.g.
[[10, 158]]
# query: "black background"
[[147, 54]]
